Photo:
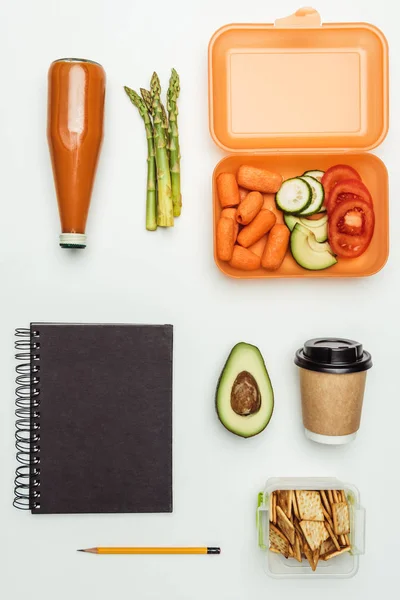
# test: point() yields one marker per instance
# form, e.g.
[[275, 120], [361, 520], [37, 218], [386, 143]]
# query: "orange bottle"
[[75, 134]]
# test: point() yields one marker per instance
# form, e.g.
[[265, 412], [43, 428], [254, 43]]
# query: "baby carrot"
[[276, 247], [230, 213], [262, 223], [225, 238], [253, 178], [228, 191], [244, 259], [242, 193], [249, 208]]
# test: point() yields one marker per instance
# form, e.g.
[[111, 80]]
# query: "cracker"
[[325, 502], [346, 537], [315, 533], [278, 541], [295, 507], [316, 554], [309, 505], [299, 530], [309, 556], [284, 500], [326, 547], [285, 525], [297, 547], [337, 553], [335, 496], [332, 536], [341, 521], [327, 517], [330, 497], [273, 549], [274, 507]]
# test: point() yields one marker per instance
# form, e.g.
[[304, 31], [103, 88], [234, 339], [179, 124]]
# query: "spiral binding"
[[27, 435]]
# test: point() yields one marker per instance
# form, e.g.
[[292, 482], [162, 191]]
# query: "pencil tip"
[[81, 550]]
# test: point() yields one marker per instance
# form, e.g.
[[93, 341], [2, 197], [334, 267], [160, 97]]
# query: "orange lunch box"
[[296, 96]]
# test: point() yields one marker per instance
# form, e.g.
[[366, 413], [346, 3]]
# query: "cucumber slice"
[[318, 175], [307, 252], [294, 196], [318, 196]]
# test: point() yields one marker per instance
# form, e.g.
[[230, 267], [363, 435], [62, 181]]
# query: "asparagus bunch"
[[174, 151], [163, 173], [151, 195]]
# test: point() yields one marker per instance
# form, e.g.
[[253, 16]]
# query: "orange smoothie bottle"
[[75, 134]]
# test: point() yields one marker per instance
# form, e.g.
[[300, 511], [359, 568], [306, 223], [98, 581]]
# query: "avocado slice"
[[319, 228], [244, 397], [309, 253]]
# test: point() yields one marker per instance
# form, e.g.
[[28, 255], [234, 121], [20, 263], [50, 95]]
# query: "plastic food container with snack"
[[264, 112], [344, 566]]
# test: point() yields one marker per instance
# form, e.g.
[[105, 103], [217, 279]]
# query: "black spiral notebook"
[[94, 418]]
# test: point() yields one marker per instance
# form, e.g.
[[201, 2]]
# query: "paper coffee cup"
[[332, 383]]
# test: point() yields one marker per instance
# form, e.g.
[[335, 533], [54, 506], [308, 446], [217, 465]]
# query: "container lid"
[[333, 355], [298, 85]]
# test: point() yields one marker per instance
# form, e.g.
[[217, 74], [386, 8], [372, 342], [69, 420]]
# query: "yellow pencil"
[[149, 550]]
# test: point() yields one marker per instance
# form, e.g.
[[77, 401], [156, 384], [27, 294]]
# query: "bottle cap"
[[73, 240]]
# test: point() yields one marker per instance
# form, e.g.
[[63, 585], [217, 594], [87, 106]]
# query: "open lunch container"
[[344, 566], [299, 95]]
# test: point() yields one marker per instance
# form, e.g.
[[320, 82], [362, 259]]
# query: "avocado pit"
[[245, 395]]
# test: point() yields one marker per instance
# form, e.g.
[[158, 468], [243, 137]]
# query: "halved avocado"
[[244, 397], [309, 253]]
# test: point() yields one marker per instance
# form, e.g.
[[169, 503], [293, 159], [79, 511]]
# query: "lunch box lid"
[[298, 85]]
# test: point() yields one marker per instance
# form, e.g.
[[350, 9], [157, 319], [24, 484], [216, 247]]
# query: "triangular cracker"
[[316, 554], [295, 507], [341, 521], [309, 505], [297, 547], [325, 502], [278, 541], [327, 546], [285, 525], [284, 500], [309, 556], [315, 533], [336, 553], [332, 535]]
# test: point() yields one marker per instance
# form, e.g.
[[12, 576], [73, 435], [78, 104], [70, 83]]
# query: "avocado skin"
[[226, 426]]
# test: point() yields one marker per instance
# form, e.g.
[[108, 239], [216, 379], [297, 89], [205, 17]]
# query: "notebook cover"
[[105, 418]]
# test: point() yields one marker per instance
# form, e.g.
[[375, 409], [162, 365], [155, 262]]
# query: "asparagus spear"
[[151, 195], [146, 95], [174, 156], [165, 216]]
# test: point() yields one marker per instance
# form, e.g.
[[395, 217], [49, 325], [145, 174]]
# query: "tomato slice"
[[335, 174], [351, 227], [348, 189]]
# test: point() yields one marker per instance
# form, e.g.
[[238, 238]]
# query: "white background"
[[129, 275]]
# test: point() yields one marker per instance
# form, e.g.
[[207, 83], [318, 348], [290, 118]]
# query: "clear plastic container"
[[344, 566]]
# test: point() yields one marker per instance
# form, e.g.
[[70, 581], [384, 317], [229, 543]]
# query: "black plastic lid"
[[333, 355]]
